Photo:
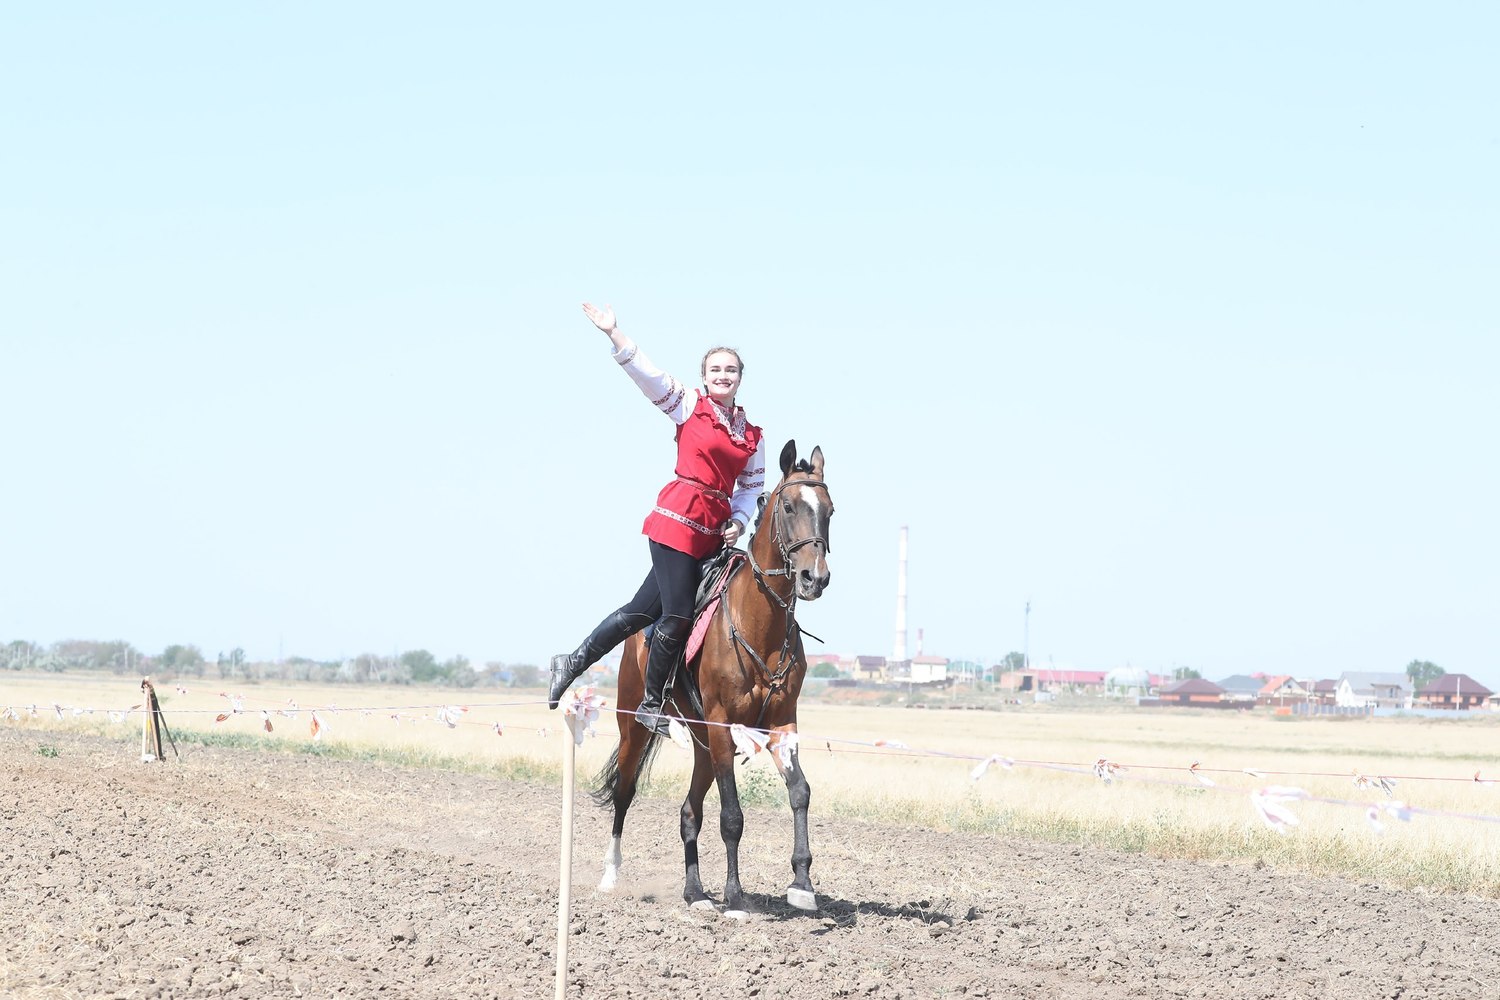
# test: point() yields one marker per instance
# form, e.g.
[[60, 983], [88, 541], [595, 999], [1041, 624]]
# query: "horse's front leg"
[[691, 823], [800, 893]]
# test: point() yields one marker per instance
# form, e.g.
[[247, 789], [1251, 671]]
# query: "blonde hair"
[[703, 366]]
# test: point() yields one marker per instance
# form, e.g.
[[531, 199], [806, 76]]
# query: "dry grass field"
[[1154, 805]]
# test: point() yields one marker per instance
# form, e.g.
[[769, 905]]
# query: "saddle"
[[715, 572]]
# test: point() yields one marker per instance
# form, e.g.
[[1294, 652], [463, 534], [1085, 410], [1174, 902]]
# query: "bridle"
[[785, 549], [776, 680]]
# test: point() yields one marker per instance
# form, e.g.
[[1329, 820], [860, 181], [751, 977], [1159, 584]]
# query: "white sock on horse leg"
[[612, 861]]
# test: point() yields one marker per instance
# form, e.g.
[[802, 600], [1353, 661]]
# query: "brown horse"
[[749, 673]]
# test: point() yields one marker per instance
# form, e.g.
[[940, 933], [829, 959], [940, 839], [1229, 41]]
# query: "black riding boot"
[[612, 631], [667, 639]]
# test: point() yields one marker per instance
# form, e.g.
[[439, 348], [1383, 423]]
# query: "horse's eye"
[[786, 505]]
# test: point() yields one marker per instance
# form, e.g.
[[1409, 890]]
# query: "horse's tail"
[[608, 778]]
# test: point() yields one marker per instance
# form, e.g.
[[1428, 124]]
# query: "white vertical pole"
[[565, 872], [898, 650]]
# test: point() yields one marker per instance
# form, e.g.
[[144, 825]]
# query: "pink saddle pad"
[[700, 628]]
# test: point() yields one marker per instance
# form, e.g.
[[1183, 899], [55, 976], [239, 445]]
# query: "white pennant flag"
[[747, 742], [984, 765], [1270, 805]]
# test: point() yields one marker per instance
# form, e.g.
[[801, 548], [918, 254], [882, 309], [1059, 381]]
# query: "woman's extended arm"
[[666, 393]]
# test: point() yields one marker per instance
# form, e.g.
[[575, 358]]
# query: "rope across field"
[[1407, 799]]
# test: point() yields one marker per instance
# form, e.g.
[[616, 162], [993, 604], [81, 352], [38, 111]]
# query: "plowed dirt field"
[[242, 873]]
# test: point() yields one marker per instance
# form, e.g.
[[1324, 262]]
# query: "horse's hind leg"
[[800, 893], [692, 822], [634, 742]]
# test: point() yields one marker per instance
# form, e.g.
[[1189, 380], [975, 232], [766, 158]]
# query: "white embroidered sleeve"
[[749, 486], [666, 393]]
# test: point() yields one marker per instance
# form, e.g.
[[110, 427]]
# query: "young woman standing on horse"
[[719, 475]]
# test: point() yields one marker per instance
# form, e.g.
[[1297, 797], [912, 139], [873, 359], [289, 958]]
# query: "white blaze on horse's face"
[[805, 512]]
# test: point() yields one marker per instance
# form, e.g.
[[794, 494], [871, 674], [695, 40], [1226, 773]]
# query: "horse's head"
[[799, 508]]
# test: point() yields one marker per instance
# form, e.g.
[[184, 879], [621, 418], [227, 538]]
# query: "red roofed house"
[[1456, 691], [1193, 691]]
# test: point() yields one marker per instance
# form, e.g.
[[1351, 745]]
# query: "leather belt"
[[704, 488]]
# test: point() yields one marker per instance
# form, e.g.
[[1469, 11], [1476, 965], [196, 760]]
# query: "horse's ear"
[[817, 461], [788, 456]]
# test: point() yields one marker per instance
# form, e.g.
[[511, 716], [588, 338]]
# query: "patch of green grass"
[[47, 750], [512, 768], [760, 786]]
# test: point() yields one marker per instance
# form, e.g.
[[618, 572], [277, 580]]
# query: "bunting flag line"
[[1272, 805]]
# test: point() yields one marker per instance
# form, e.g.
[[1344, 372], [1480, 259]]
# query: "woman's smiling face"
[[721, 376]]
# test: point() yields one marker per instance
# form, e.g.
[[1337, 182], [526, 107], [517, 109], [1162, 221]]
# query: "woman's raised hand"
[[604, 318]]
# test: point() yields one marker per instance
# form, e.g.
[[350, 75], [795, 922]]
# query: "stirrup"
[[654, 718]]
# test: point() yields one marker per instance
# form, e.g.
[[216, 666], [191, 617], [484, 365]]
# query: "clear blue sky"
[[1178, 319]]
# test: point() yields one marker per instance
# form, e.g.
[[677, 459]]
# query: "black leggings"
[[669, 589]]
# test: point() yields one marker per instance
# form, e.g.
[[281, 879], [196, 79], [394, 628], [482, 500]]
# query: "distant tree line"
[[177, 661]]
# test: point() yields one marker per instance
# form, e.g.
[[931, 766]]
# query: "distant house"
[[1357, 689], [1193, 691], [869, 668], [1325, 692], [1455, 691], [1280, 689], [929, 670], [1242, 687]]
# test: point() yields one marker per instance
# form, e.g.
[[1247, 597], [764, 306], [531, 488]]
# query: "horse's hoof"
[[701, 904], [801, 898], [736, 915]]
